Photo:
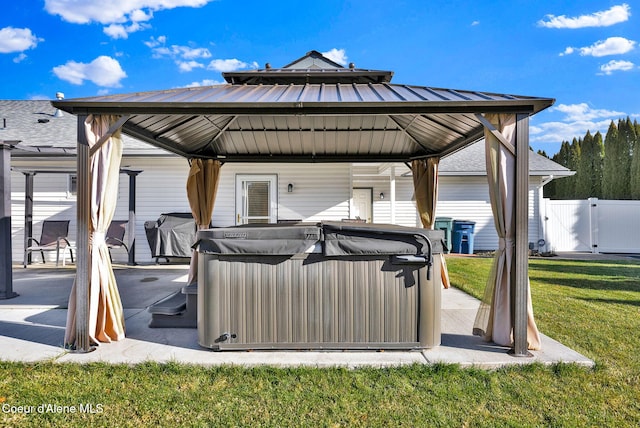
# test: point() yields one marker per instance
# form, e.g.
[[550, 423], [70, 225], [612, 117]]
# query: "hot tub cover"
[[264, 239], [342, 239], [331, 238]]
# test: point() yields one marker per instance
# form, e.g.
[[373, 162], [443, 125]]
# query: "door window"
[[256, 199]]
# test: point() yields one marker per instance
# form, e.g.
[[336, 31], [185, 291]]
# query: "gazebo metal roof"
[[353, 115]]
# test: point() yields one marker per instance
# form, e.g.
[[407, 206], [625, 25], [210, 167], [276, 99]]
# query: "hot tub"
[[319, 286]]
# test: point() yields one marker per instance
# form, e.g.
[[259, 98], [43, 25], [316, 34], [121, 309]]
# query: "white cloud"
[[336, 55], [17, 40], [568, 51], [615, 65], [126, 13], [205, 82], [556, 132], [611, 46], [184, 56], [37, 97], [140, 15], [582, 112], [577, 120], [103, 71], [606, 18], [224, 65], [192, 53], [175, 51], [153, 42], [20, 58], [119, 31], [116, 31], [186, 66], [474, 23]]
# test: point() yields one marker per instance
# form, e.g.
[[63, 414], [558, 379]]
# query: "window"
[[256, 199], [72, 185]]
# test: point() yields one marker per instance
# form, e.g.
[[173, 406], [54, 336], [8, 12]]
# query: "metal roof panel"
[[328, 121]]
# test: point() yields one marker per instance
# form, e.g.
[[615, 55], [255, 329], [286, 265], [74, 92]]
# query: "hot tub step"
[[174, 312]]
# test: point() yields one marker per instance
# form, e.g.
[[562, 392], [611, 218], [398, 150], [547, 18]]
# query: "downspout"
[[542, 216], [392, 193]]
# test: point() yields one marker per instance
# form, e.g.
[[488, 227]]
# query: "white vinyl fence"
[[593, 225]]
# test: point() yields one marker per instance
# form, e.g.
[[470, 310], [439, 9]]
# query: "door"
[[256, 199], [361, 204]]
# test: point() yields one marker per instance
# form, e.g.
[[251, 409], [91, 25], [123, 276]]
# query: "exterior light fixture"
[[381, 195], [290, 188]]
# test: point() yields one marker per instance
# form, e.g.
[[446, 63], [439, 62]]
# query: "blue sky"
[[585, 54]]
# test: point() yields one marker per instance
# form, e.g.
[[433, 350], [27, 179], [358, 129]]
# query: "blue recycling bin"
[[462, 239]]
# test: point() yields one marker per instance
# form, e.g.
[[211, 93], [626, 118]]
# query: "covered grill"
[[172, 235], [319, 286]]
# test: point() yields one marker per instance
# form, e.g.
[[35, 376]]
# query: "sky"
[[584, 54]]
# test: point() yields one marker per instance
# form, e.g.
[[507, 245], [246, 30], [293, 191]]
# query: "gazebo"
[[312, 110]]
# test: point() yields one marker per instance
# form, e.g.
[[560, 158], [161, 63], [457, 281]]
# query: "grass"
[[592, 307]]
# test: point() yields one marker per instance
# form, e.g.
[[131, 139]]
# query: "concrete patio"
[[32, 329]]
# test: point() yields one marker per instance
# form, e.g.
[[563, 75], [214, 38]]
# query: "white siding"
[[52, 202], [467, 198], [461, 198], [321, 192]]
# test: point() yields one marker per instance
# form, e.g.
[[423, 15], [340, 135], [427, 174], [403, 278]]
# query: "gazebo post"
[[83, 208], [132, 173], [28, 211], [6, 271], [521, 283]]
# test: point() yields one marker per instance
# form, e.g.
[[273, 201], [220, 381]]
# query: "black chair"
[[115, 236], [54, 237]]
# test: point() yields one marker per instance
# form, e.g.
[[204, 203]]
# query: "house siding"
[[461, 198], [320, 192]]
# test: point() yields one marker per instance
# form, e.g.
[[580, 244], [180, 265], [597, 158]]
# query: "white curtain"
[[494, 320], [425, 185], [202, 186], [106, 316]]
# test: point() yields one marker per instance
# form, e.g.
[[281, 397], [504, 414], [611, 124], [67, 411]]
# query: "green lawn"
[[592, 307]]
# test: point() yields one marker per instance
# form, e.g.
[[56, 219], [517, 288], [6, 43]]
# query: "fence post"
[[593, 224]]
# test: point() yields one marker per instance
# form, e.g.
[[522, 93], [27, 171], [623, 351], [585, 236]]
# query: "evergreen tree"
[[573, 164], [589, 169], [549, 190], [610, 183], [626, 138], [562, 157], [635, 164], [597, 166]]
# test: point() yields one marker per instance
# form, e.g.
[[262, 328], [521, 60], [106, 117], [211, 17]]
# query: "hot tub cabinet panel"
[[315, 301]]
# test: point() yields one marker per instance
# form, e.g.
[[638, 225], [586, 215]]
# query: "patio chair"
[[115, 236], [54, 237]]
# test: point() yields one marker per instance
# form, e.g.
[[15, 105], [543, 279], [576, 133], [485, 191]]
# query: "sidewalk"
[[32, 329]]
